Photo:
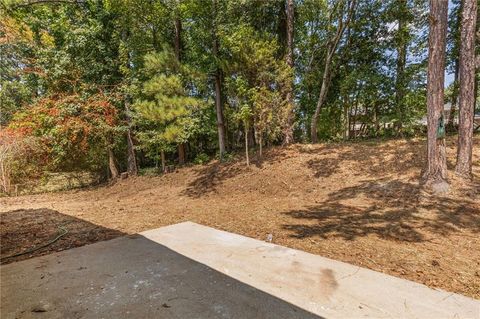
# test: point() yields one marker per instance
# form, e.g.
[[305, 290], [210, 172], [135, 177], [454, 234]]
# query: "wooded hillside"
[[113, 86]]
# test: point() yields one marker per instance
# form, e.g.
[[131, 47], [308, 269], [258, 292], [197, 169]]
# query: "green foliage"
[[201, 158], [59, 60], [259, 82], [166, 103]]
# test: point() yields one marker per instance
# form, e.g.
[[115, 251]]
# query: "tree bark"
[[288, 133], [132, 168], [376, 110], [321, 98], [436, 169], [346, 119], [181, 154], [467, 88], [260, 146], [162, 156], [331, 48], [178, 55], [178, 38], [218, 88], [111, 164], [401, 62]]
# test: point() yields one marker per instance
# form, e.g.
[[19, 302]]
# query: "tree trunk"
[[181, 154], [376, 113], [178, 55], [346, 121], [219, 111], [467, 88], [436, 169], [260, 146], [288, 134], [321, 98], [218, 89], [246, 145], [162, 155], [178, 38], [111, 164], [401, 62], [331, 48], [252, 137], [132, 168]]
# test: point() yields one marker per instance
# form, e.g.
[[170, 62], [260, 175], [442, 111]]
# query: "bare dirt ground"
[[356, 202]]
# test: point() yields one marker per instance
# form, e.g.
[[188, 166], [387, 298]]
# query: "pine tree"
[[467, 88], [165, 99], [436, 170]]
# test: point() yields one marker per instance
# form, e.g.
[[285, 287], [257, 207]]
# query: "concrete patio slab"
[[326, 287], [130, 277], [192, 271]]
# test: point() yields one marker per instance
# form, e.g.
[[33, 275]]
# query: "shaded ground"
[[24, 231], [356, 202], [120, 279]]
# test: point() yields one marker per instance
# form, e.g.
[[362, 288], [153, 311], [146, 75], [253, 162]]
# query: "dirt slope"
[[356, 202]]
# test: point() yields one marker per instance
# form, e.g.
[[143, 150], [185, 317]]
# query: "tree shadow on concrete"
[[26, 229], [133, 277], [393, 210]]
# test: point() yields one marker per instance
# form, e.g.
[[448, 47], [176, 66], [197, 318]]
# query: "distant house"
[[447, 109], [359, 128]]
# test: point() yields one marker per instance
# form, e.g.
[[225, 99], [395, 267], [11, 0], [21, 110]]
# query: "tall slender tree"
[[178, 54], [467, 88], [345, 12], [436, 169], [402, 44], [288, 134], [218, 85], [132, 168], [453, 58]]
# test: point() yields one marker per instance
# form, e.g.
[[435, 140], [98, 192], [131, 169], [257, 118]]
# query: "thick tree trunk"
[[467, 88], [111, 164], [288, 133], [218, 89], [436, 169], [401, 62]]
